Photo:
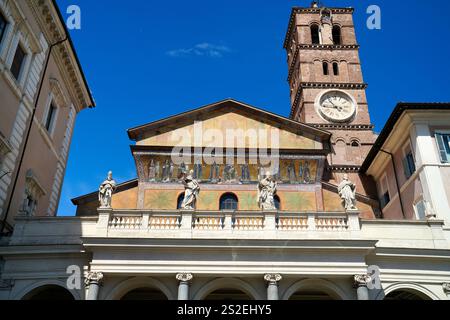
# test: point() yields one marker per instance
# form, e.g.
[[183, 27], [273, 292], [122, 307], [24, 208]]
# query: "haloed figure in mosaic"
[[267, 188], [106, 191], [191, 191]]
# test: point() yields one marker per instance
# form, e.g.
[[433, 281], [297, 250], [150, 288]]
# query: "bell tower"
[[326, 82]]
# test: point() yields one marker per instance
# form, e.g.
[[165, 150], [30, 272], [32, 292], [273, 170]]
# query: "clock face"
[[337, 106]]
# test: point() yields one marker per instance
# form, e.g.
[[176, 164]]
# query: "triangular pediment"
[[224, 122]]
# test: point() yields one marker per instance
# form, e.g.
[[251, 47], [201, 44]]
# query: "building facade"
[[42, 86], [146, 244]]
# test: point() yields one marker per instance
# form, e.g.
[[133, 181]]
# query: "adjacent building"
[[146, 244], [42, 86]]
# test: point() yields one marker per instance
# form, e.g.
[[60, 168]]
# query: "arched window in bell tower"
[[335, 68], [315, 34], [337, 36], [325, 68]]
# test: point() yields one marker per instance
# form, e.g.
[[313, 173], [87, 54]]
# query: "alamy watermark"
[[73, 21]]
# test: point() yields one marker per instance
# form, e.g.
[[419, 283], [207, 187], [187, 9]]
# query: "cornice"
[[336, 126], [46, 15]]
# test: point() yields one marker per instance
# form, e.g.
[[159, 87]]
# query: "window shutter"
[[441, 145]]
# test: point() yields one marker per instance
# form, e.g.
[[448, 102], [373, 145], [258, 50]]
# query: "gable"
[[230, 124]]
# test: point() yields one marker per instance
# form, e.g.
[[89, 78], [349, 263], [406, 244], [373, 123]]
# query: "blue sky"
[[145, 60]]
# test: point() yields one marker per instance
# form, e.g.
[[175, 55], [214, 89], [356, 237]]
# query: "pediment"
[[229, 124]]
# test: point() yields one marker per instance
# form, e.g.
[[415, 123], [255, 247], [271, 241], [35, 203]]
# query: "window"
[[385, 196], [355, 144], [335, 68], [325, 68], [229, 201], [180, 201], [277, 201], [3, 25], [443, 141], [17, 64], [50, 118], [315, 35], [337, 39], [409, 167]]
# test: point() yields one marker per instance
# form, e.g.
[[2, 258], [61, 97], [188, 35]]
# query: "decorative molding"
[[273, 277], [184, 277], [344, 168], [446, 288], [93, 277], [6, 284], [5, 148], [337, 126], [361, 280]]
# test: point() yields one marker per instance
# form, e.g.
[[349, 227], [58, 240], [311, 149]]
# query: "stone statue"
[[152, 171], [191, 191], [106, 191], [347, 192], [267, 188]]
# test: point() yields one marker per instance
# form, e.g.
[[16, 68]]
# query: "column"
[[93, 281], [183, 286], [272, 285], [361, 282]]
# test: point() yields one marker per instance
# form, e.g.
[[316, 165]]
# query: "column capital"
[[362, 280], [446, 287], [273, 277], [93, 277], [184, 277]]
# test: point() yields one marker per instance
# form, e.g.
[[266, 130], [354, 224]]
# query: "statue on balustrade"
[[347, 192], [267, 189], [191, 191], [106, 191], [214, 175]]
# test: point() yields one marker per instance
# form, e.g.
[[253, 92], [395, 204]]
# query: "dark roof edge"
[[120, 187], [74, 53], [391, 122]]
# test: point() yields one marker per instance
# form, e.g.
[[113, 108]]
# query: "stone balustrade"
[[222, 221]]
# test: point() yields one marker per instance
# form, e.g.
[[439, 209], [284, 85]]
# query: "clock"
[[336, 106]]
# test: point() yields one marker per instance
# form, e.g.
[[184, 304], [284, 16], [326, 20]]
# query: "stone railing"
[[219, 222]]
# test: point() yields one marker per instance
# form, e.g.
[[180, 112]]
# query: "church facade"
[[235, 202]]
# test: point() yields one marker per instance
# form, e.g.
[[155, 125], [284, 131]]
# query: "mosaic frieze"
[[161, 169]]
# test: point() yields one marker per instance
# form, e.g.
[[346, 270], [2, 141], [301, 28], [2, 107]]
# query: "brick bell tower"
[[326, 83]]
